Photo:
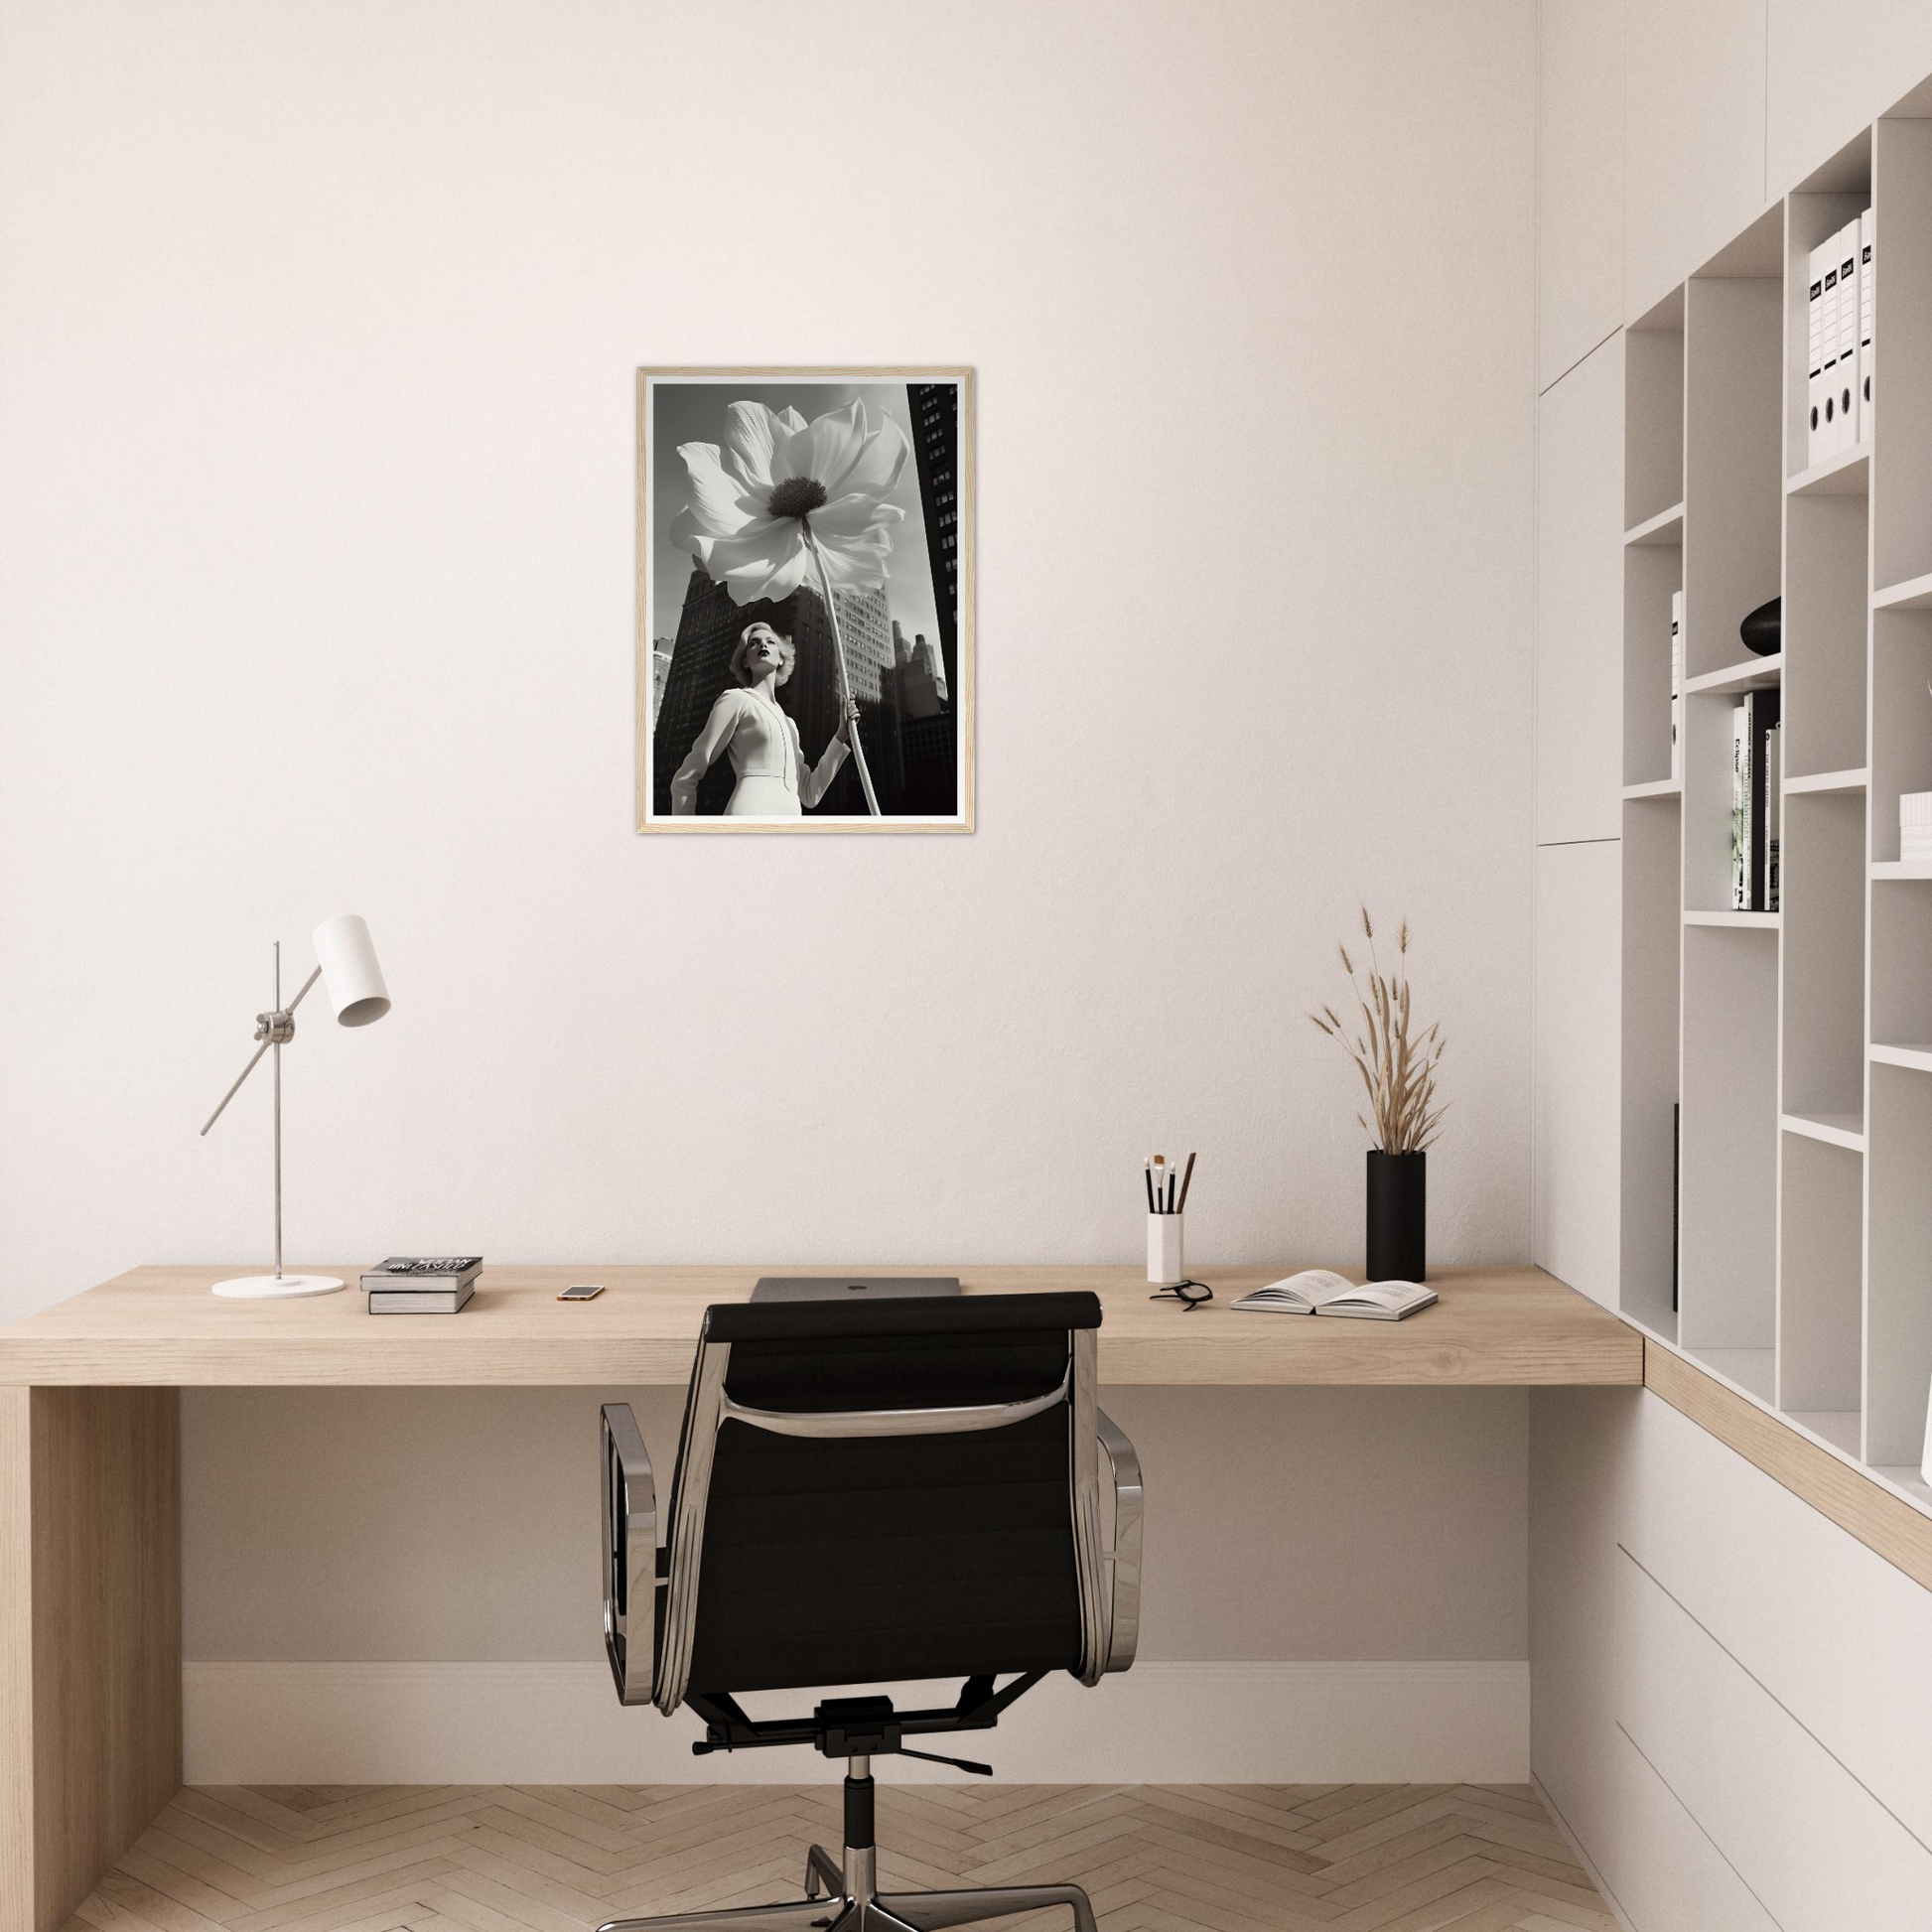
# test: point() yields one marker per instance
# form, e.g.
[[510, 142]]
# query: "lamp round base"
[[276, 1288]]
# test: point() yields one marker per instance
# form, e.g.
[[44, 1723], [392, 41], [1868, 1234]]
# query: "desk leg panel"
[[89, 1637]]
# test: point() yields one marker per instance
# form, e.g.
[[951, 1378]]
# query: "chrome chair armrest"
[[630, 1555], [1124, 1558]]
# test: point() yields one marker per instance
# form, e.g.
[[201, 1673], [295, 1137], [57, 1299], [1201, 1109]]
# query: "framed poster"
[[804, 600]]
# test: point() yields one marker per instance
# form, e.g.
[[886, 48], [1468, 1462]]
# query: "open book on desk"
[[1320, 1290]]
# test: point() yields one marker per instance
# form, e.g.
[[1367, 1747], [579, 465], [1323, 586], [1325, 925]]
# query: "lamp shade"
[[350, 975]]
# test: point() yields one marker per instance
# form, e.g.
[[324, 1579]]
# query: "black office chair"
[[866, 1495]]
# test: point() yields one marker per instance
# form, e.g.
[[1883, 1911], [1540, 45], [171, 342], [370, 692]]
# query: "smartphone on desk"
[[582, 1292]]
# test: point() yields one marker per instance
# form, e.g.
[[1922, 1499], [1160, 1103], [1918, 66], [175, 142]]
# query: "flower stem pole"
[[845, 680]]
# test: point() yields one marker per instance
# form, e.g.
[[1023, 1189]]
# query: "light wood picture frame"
[[758, 490]]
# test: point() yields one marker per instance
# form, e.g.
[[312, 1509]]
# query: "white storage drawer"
[[1818, 1849], [1837, 1635], [1661, 1868]]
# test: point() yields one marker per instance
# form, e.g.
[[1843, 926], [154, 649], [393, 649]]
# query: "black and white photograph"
[[805, 646]]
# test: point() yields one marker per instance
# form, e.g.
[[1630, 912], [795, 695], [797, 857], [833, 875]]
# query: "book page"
[[1380, 1294]]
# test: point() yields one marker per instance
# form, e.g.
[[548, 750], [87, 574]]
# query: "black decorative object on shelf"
[[1398, 1216], [1763, 631]]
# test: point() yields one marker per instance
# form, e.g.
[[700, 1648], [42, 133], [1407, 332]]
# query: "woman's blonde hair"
[[787, 654]]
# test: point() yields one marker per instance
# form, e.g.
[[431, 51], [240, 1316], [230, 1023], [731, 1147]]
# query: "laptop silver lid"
[[843, 1288]]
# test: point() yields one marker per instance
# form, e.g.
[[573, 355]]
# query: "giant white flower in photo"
[[746, 521]]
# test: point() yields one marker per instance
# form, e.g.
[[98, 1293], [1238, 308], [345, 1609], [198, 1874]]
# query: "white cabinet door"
[[1693, 137], [1578, 179], [1580, 602], [1835, 64], [1575, 1201]]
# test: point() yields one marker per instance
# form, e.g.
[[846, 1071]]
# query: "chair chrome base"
[[850, 1905]]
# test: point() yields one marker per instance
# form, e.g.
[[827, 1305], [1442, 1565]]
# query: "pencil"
[[1148, 1177], [1186, 1180]]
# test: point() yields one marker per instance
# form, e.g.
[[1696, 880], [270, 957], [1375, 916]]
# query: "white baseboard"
[[561, 1723]]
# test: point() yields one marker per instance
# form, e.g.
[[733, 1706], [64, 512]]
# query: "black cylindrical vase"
[[1398, 1216]]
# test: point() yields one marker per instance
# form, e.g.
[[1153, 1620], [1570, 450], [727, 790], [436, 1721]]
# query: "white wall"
[[316, 491], [317, 344], [1334, 1593], [1281, 1523]]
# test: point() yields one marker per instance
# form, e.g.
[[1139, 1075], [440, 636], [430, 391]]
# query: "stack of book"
[[1915, 826], [1677, 687], [422, 1284], [1754, 803], [1838, 361]]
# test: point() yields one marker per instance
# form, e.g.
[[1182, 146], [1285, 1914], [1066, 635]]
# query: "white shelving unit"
[[1797, 1043]]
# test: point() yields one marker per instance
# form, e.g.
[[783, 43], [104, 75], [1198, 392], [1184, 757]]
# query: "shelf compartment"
[[1663, 531], [1754, 674], [1901, 869], [1843, 1429], [1898, 1297], [1752, 1369], [1906, 1479], [1915, 594], [1826, 781], [1708, 719], [1728, 1238], [1650, 576], [1901, 964], [1902, 719], [1733, 471], [1848, 474], [1825, 576], [1656, 788], [1653, 414], [1653, 939], [1813, 214], [1823, 922], [1821, 1258], [1901, 462], [1835, 1129]]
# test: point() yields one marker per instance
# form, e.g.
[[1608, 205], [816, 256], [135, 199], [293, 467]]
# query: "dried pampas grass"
[[1398, 1071]]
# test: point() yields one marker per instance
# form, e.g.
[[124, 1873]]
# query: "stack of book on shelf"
[[1754, 807], [1677, 687], [422, 1284], [1839, 363], [1915, 826]]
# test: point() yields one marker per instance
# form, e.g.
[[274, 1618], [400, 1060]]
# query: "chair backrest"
[[884, 1491]]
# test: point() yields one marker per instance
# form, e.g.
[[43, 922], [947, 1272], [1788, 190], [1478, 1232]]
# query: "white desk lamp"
[[352, 981]]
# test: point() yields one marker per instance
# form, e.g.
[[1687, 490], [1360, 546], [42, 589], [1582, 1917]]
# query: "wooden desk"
[[161, 1328], [90, 1462]]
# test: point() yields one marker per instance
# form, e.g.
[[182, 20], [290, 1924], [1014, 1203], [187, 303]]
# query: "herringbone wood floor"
[[561, 1857]]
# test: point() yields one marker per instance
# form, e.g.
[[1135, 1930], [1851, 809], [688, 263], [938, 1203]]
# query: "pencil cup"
[[1163, 1262]]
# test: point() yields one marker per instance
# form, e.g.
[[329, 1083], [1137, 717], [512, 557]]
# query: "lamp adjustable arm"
[[274, 1028]]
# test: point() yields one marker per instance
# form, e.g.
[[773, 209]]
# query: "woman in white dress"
[[772, 779]]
